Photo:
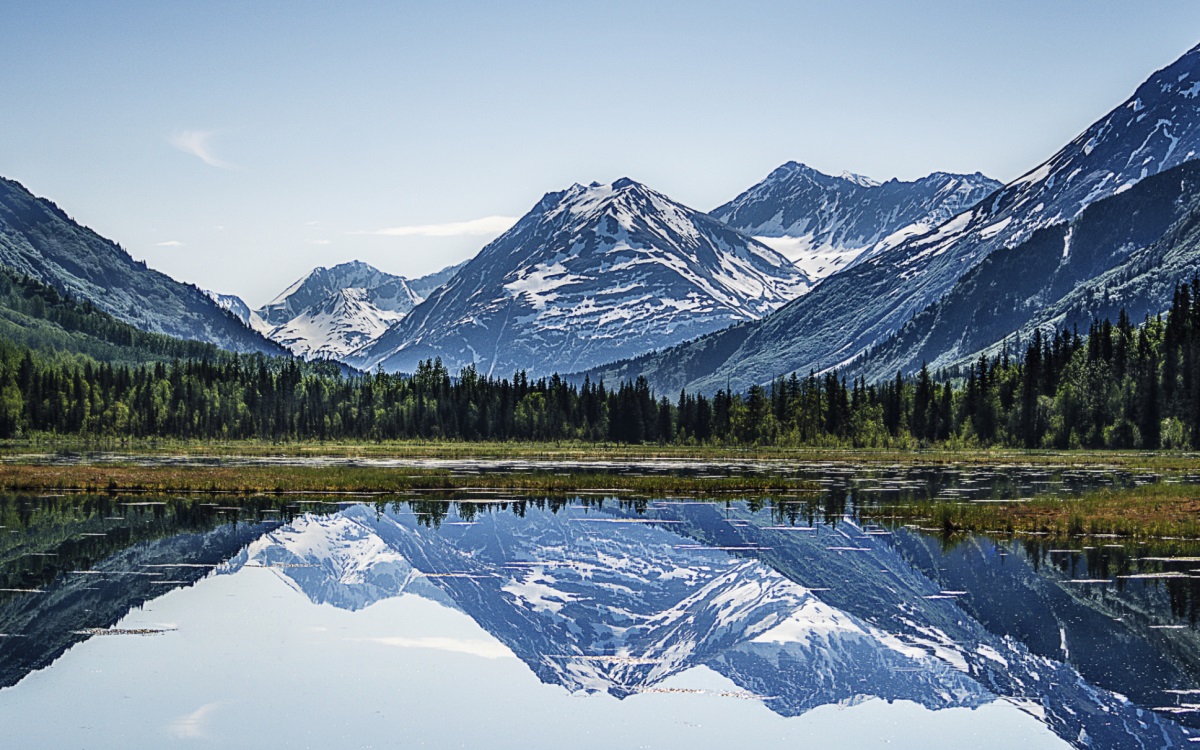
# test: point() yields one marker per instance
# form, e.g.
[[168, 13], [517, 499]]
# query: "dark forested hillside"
[[38, 316]]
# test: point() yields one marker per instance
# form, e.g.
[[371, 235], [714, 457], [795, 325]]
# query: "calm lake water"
[[503, 622]]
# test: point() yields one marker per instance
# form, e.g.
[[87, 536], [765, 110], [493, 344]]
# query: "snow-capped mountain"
[[333, 311], [388, 292], [39, 239], [1155, 129], [824, 223], [591, 274], [338, 324]]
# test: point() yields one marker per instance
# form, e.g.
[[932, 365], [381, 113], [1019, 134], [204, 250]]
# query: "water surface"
[[587, 622]]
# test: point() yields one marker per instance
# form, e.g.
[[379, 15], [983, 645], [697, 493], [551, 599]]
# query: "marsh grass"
[[579, 451], [1152, 511], [247, 480]]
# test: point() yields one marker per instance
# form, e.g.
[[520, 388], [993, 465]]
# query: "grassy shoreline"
[[1150, 460], [245, 480], [1150, 511]]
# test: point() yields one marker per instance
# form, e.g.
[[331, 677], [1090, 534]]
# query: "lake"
[[497, 621]]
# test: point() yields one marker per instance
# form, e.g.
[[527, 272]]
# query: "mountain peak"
[[589, 275], [860, 180]]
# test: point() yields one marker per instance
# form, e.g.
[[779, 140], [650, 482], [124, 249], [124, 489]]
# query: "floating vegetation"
[[741, 694], [624, 660], [622, 520], [1146, 511], [248, 479], [123, 631]]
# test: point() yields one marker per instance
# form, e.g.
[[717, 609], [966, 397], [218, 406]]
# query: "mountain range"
[[802, 271], [842, 319], [590, 273]]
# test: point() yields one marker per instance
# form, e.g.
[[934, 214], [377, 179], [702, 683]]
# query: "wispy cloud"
[[318, 242], [474, 227], [196, 143], [192, 726], [169, 243], [474, 647]]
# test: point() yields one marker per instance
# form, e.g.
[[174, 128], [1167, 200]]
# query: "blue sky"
[[237, 145]]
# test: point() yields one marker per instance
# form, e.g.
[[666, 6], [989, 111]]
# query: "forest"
[[1119, 386]]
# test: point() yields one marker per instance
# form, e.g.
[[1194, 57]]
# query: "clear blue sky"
[[238, 144]]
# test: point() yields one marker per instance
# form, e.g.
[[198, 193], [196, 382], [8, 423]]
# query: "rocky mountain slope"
[[1125, 252]]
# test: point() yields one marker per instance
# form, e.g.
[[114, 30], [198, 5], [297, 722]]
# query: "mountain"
[[333, 311], [1124, 252], [824, 223], [39, 240], [590, 274], [859, 308], [387, 291]]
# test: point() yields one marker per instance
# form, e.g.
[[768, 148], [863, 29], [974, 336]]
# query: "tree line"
[[1119, 386]]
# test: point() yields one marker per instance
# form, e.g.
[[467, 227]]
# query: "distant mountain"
[[333, 311], [426, 285], [38, 239], [234, 305], [824, 223], [387, 291], [590, 274], [851, 312]]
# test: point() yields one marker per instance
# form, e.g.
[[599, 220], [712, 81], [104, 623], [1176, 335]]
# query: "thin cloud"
[[318, 242], [169, 243], [474, 227], [196, 143], [471, 646], [193, 725]]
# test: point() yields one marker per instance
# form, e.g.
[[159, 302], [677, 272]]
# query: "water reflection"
[[793, 606]]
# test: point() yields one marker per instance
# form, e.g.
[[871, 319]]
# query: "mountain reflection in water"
[[622, 599]]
